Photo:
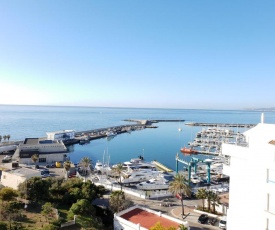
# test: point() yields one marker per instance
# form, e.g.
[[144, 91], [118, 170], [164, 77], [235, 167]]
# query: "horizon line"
[[121, 107]]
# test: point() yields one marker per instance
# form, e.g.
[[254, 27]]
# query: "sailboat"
[[104, 165]]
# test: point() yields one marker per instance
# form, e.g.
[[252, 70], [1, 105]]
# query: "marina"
[[208, 141], [159, 144]]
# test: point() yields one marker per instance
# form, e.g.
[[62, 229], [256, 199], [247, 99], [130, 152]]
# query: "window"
[[42, 159]]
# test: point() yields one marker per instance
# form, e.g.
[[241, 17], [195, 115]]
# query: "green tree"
[[118, 170], [82, 207], [67, 167], [118, 201], [35, 158], [8, 137], [180, 186], [8, 194], [4, 137], [35, 189], [47, 210], [0, 138], [86, 163], [182, 227], [215, 201], [56, 191], [11, 212], [201, 194], [209, 195]]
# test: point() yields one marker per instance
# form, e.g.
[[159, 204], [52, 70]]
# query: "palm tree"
[[35, 158], [180, 186], [209, 195], [118, 169], [86, 163], [215, 199], [201, 194], [4, 137], [67, 167], [182, 227], [8, 137], [0, 138]]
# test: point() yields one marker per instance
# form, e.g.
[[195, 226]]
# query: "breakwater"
[[93, 134], [221, 125]]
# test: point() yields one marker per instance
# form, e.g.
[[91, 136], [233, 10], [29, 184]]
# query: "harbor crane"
[[193, 163]]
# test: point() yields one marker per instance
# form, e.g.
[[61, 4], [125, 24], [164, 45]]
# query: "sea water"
[[161, 144]]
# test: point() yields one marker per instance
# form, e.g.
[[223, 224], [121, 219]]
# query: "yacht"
[[154, 184], [138, 176], [99, 166]]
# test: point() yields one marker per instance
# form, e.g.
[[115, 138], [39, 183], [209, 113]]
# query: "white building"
[[140, 218], [49, 151], [13, 177], [63, 135], [251, 169]]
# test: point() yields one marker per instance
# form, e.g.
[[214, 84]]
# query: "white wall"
[[248, 185], [11, 179], [50, 158]]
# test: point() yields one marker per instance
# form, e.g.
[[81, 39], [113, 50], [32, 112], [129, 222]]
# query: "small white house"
[[13, 177]]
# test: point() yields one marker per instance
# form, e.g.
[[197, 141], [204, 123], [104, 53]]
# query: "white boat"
[[153, 184], [111, 134], [84, 140], [103, 168], [138, 176], [195, 180]]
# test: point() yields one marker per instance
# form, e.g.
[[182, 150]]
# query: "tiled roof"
[[147, 219]]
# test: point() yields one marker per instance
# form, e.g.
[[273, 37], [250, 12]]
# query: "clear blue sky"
[[205, 54]]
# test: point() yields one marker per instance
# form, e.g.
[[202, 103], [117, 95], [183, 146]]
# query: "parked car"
[[222, 223], [166, 203], [212, 220], [203, 219], [193, 196]]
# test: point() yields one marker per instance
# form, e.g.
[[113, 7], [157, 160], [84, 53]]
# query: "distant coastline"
[[110, 107]]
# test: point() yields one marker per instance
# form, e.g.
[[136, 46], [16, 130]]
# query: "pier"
[[221, 125], [162, 167], [85, 136], [149, 122]]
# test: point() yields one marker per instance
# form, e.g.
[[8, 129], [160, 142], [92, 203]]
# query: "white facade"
[[12, 178], [61, 135], [252, 180], [49, 151]]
